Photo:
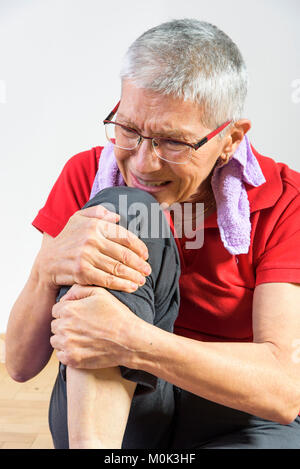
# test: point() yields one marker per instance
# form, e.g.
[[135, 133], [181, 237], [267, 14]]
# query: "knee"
[[120, 198], [139, 211]]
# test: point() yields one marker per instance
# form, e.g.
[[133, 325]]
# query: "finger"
[[98, 211], [54, 326], [77, 292], [56, 310], [61, 356], [119, 269], [106, 280], [122, 254], [120, 235], [63, 298], [55, 342]]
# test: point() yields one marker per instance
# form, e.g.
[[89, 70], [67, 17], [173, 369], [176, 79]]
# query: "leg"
[[98, 407], [156, 302], [203, 424], [260, 434]]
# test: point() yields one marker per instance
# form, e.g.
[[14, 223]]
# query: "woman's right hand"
[[93, 250]]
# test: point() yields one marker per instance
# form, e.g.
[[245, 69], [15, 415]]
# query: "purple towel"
[[233, 210], [108, 174]]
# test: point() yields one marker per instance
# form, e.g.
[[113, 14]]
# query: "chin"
[[161, 199]]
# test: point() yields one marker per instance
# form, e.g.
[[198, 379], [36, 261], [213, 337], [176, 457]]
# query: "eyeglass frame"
[[195, 146]]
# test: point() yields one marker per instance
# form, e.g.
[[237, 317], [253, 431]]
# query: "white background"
[[59, 77]]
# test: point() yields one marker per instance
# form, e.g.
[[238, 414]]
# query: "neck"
[[203, 195]]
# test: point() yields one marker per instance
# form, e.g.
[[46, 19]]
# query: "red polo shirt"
[[216, 287]]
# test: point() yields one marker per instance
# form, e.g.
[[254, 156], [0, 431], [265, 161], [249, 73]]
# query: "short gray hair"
[[193, 60]]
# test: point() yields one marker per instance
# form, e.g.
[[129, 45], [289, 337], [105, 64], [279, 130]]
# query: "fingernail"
[[134, 285], [147, 270], [142, 280], [145, 255]]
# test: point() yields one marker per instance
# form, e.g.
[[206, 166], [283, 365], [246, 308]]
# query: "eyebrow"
[[174, 133]]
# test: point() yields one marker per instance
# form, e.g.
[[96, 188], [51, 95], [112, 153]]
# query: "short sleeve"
[[69, 193], [280, 261]]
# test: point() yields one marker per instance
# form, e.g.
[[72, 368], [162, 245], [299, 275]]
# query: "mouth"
[[149, 185]]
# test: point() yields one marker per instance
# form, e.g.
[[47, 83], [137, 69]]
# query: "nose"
[[146, 160]]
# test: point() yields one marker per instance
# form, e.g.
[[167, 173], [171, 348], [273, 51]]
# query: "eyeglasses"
[[171, 150]]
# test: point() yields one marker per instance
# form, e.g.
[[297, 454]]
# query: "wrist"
[[145, 340]]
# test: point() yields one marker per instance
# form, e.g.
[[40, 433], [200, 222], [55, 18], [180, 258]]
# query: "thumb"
[[77, 292], [99, 211]]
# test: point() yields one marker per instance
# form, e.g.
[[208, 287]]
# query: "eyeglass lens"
[[128, 139]]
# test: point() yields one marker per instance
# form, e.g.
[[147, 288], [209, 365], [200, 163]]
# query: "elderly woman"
[[227, 374]]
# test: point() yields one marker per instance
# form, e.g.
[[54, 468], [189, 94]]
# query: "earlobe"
[[226, 159]]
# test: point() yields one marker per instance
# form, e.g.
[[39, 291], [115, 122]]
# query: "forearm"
[[28, 332], [98, 407], [243, 376]]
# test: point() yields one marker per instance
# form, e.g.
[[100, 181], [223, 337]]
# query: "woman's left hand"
[[93, 329]]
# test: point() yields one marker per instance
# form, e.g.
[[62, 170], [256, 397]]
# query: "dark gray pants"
[[156, 302], [162, 416]]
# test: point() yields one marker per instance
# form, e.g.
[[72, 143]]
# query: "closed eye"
[[126, 130]]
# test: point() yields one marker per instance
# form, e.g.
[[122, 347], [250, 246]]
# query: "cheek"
[[189, 178], [186, 183], [202, 166], [121, 155], [122, 158]]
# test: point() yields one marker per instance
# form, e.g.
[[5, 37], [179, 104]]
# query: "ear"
[[237, 133]]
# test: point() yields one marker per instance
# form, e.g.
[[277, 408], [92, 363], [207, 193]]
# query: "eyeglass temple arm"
[[211, 135], [112, 113]]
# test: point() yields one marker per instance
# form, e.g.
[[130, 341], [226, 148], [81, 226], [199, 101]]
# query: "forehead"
[[149, 109]]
